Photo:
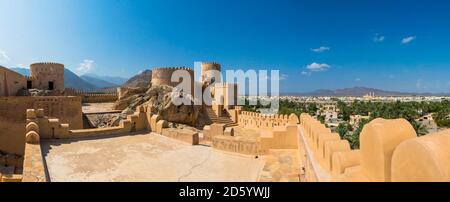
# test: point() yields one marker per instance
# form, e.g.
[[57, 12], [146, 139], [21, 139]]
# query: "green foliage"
[[419, 128], [353, 138], [343, 129], [321, 119], [443, 123]]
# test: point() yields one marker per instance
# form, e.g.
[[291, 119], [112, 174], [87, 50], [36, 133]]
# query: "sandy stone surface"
[[145, 157], [98, 107], [282, 165]]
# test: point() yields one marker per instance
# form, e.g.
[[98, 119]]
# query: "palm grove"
[[410, 111]]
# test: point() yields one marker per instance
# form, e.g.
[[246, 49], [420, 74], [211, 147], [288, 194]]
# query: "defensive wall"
[[47, 76], [209, 71], [390, 150], [13, 117], [277, 132], [92, 97], [254, 120], [163, 76]]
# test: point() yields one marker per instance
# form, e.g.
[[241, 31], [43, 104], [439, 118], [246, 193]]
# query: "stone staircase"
[[216, 119]]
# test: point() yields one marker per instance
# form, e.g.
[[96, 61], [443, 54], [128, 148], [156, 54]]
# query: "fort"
[[209, 73], [46, 75], [163, 76], [44, 140]]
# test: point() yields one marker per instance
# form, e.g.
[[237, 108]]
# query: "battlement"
[[390, 151], [261, 121], [45, 63], [163, 76], [211, 66], [92, 97], [171, 69]]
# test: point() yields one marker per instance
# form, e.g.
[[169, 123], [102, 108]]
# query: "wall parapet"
[[390, 151], [33, 166], [53, 128], [255, 120], [92, 97]]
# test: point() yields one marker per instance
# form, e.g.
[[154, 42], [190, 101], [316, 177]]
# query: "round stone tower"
[[210, 73], [46, 76], [163, 76]]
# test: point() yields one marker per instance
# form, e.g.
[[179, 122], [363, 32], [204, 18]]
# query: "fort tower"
[[46, 76]]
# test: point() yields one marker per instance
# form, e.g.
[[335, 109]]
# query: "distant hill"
[[71, 80], [361, 91], [110, 79], [141, 80], [99, 83]]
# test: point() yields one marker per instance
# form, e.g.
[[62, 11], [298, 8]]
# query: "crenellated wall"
[[254, 120], [389, 151], [89, 97], [163, 76]]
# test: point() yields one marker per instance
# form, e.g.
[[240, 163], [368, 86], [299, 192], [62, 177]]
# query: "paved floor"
[[145, 157]]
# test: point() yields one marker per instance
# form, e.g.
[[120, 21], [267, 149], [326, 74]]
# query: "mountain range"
[[93, 82], [87, 82], [361, 91]]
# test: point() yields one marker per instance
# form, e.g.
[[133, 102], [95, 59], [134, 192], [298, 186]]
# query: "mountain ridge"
[[359, 91]]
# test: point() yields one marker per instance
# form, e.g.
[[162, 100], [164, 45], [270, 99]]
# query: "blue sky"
[[392, 45]]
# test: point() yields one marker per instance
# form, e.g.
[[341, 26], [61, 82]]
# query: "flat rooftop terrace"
[[144, 157]]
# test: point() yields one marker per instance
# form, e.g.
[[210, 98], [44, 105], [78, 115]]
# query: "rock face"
[[103, 120], [37, 92], [141, 80], [158, 99]]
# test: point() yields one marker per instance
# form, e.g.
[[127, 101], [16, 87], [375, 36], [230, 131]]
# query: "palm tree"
[[420, 129]]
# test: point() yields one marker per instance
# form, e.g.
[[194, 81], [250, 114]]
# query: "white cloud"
[[85, 67], [315, 67], [357, 79], [378, 38], [408, 39], [4, 57], [305, 73], [321, 49]]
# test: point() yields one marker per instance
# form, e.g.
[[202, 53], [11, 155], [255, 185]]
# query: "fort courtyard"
[[145, 157]]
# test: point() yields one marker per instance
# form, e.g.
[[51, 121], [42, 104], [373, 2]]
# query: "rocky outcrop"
[[37, 92], [158, 99], [141, 80]]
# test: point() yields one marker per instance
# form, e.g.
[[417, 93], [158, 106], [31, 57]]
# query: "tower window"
[[51, 85], [29, 84]]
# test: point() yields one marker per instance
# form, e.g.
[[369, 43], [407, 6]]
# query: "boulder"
[[158, 99]]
